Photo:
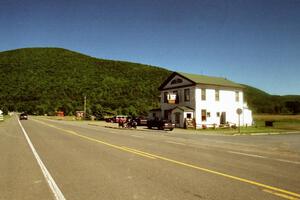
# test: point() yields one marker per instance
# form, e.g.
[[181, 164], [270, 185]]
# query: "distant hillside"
[[44, 80], [262, 102]]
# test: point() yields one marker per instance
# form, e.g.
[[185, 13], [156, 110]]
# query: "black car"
[[23, 116], [160, 124], [141, 121]]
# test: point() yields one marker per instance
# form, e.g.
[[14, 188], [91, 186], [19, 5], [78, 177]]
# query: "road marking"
[[53, 186], [281, 195], [153, 156], [113, 132], [137, 136], [171, 142], [288, 161], [258, 156], [246, 154], [139, 152], [98, 141]]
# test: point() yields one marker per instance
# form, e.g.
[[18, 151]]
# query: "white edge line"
[[171, 142], [137, 136], [257, 156], [246, 154], [53, 186], [288, 161]]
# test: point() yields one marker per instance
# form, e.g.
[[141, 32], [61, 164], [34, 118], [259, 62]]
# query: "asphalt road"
[[76, 161]]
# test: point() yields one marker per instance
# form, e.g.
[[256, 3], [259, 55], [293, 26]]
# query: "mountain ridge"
[[43, 80]]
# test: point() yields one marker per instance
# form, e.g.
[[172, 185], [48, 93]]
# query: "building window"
[[217, 95], [186, 94], [218, 114], [177, 96], [203, 94], [237, 96], [203, 115], [176, 81], [165, 97], [208, 114]]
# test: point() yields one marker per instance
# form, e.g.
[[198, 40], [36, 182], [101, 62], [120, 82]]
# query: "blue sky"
[[255, 42]]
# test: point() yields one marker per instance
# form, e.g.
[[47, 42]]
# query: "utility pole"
[[84, 108]]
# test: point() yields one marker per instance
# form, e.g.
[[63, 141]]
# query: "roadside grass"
[[6, 117], [284, 122], [281, 124], [243, 130], [277, 117]]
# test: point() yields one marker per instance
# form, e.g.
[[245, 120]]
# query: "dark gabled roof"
[[155, 109], [184, 108], [170, 78], [202, 79]]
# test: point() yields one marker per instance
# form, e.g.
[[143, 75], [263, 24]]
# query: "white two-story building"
[[204, 100]]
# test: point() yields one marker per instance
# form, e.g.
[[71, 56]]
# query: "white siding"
[[227, 103]]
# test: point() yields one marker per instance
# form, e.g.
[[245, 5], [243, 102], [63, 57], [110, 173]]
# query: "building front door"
[[177, 119], [223, 118], [167, 114]]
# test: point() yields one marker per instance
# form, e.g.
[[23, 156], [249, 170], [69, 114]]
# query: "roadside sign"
[[239, 111]]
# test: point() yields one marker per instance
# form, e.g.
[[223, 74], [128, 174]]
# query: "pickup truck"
[[23, 116], [160, 124]]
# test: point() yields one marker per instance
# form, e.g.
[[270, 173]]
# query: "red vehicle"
[[118, 118]]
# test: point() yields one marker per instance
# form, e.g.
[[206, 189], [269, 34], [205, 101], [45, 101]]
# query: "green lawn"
[[281, 124]]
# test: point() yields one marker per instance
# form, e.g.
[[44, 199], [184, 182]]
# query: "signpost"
[[239, 111]]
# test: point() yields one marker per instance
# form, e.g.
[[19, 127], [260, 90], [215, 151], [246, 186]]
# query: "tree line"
[[45, 80]]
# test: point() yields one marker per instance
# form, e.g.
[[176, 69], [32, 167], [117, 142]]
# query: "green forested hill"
[[262, 102], [45, 80]]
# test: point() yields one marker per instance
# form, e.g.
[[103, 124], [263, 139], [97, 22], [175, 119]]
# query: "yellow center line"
[[140, 152], [98, 141], [281, 195], [153, 156]]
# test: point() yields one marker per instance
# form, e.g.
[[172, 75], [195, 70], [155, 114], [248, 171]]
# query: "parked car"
[[160, 124], [141, 121], [23, 116]]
